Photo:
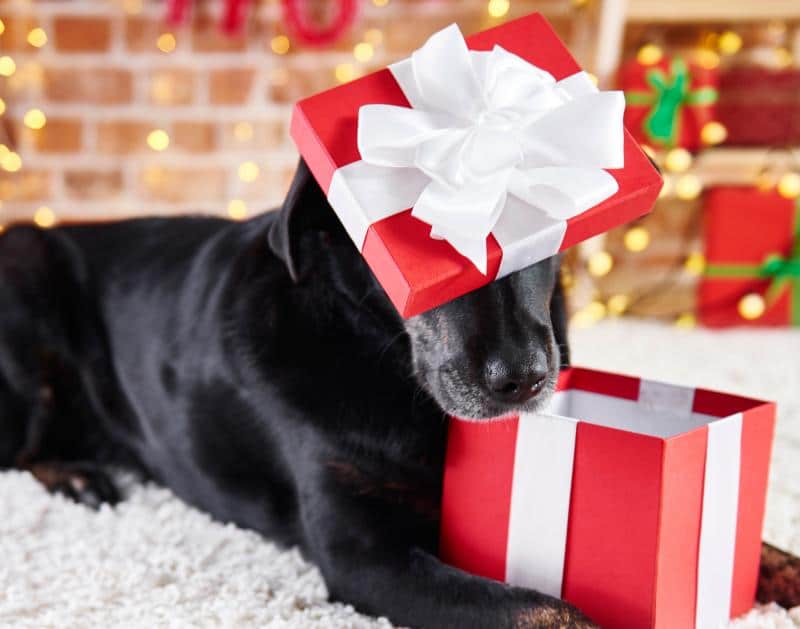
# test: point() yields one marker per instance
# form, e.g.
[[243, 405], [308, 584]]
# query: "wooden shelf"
[[711, 10], [740, 166]]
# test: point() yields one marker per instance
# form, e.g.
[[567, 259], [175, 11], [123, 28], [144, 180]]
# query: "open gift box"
[[639, 502], [473, 159]]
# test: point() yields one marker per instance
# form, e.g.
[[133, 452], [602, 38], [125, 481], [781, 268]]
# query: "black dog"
[[259, 371]]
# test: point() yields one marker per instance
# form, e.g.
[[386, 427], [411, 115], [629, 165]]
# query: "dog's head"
[[491, 352]]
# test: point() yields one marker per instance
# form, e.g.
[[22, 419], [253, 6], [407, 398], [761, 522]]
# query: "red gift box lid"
[[417, 271]]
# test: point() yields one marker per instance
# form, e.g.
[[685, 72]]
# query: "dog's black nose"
[[515, 382]]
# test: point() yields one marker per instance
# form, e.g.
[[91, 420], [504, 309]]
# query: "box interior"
[[604, 410]]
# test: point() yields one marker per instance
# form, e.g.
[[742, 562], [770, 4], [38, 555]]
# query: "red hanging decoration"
[[234, 15], [297, 19], [177, 12], [296, 15]]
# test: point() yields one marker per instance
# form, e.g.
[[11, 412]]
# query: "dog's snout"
[[514, 381]]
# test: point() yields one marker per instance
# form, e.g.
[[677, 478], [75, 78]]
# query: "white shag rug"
[[153, 562]]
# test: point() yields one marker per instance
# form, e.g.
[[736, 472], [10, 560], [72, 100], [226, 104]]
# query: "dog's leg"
[[779, 577], [44, 426], [85, 482], [368, 560]]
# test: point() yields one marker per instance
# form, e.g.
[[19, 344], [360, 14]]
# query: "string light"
[[158, 139], [37, 37], [2, 106], [380, 3], [649, 54], [593, 78], [44, 217], [686, 320], [243, 131], [713, 133], [374, 36], [597, 310], [582, 319], [345, 72], [237, 209], [678, 160], [166, 42], [600, 263], [637, 239], [2, 27], [666, 187], [498, 8], [783, 57], [789, 185], [729, 43], [707, 59], [617, 305], [7, 66], [695, 263], [280, 44], [248, 171], [11, 162], [35, 119], [688, 187], [363, 51], [751, 306]]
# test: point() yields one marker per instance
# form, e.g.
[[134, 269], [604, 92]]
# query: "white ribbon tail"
[[526, 236], [537, 527], [718, 523]]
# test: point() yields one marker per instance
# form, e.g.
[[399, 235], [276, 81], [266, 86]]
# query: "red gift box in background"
[[760, 106], [669, 102], [752, 249], [416, 271], [645, 512]]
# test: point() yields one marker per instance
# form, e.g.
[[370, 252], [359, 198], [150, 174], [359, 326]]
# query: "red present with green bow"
[[752, 274], [669, 103]]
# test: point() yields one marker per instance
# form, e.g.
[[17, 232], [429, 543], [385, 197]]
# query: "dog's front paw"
[[552, 617], [779, 577], [86, 483]]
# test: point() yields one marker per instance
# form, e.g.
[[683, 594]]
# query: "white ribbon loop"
[[486, 125]]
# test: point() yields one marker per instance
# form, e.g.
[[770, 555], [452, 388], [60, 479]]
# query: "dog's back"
[[60, 292]]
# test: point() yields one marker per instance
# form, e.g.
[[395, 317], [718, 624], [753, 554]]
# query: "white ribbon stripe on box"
[[490, 145], [545, 448]]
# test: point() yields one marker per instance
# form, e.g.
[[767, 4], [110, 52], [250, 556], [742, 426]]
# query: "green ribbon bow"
[[783, 271], [668, 97]]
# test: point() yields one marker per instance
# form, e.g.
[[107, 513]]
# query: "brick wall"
[[104, 86]]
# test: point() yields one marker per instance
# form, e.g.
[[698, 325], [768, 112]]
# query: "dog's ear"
[[304, 209], [558, 319]]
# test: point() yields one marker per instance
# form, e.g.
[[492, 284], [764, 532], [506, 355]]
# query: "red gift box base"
[[635, 508]]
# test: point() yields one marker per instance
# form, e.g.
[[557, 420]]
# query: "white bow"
[[485, 125]]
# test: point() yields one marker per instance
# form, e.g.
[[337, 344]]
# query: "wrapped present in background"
[[669, 101], [760, 106], [641, 503], [485, 214], [752, 248]]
